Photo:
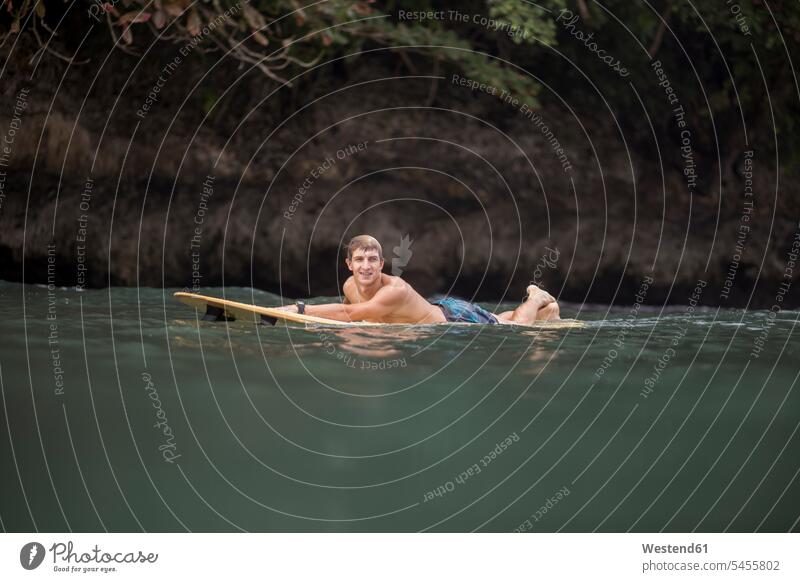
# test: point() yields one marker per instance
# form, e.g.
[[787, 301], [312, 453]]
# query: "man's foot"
[[539, 305], [536, 293], [550, 312]]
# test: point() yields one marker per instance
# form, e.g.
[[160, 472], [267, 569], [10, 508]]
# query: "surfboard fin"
[[216, 314]]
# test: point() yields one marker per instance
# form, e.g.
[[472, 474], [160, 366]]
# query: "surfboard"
[[216, 309]]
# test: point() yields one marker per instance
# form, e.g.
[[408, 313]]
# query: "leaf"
[[127, 36], [260, 38], [40, 9]]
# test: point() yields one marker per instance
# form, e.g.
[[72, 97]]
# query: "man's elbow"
[[362, 313], [358, 315]]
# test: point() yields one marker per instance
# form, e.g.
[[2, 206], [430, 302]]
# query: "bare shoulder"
[[394, 288], [402, 285], [393, 281], [395, 284]]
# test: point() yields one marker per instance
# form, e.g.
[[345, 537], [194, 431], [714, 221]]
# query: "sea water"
[[122, 411]]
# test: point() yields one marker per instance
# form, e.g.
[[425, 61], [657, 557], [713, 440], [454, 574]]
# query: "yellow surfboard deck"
[[245, 311], [216, 309]]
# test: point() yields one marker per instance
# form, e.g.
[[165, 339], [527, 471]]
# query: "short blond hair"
[[366, 242]]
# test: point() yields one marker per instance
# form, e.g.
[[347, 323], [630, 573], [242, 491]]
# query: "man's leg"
[[538, 306]]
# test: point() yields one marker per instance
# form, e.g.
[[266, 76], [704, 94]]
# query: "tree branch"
[[659, 33]]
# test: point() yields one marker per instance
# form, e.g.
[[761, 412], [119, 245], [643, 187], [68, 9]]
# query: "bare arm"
[[383, 303]]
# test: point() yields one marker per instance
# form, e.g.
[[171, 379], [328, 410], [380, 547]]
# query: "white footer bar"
[[400, 557]]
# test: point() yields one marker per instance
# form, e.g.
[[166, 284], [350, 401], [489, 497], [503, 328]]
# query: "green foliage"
[[449, 48], [208, 98], [530, 17], [738, 52], [715, 54], [279, 36]]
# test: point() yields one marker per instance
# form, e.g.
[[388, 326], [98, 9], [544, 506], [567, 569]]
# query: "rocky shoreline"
[[258, 194]]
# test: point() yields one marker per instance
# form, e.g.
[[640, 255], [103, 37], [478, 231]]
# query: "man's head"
[[364, 258]]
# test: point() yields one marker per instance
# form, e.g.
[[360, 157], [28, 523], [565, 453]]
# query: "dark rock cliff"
[[228, 179]]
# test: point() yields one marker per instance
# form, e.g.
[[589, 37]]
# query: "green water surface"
[[122, 412]]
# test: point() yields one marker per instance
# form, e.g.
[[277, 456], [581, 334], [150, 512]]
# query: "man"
[[374, 296]]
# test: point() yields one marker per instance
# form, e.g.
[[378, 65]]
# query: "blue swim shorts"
[[458, 310]]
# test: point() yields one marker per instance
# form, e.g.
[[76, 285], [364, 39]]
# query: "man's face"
[[366, 266]]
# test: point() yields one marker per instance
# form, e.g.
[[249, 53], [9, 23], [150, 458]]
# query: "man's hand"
[[289, 308]]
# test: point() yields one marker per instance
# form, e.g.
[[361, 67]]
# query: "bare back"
[[409, 307]]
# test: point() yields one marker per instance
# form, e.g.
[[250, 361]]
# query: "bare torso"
[[411, 307]]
